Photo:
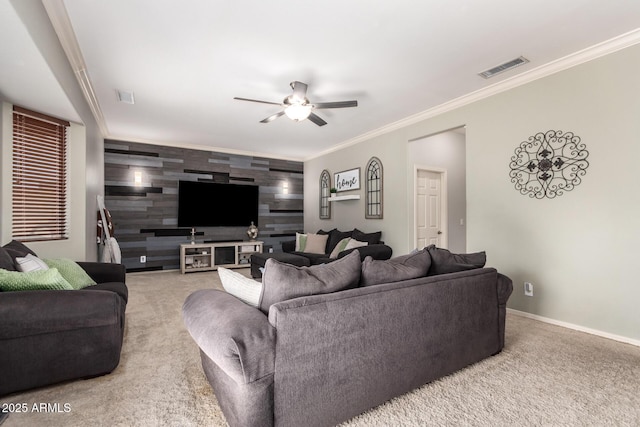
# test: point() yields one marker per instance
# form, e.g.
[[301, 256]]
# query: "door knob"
[[439, 232]]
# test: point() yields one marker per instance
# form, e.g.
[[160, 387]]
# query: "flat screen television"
[[208, 204]]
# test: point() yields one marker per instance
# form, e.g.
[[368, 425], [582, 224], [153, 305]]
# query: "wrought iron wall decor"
[[548, 164], [325, 193], [373, 189]]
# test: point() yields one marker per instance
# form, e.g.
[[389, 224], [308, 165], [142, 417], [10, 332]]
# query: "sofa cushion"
[[244, 288], [396, 269], [370, 238], [32, 281], [444, 261], [29, 263], [72, 272], [6, 261], [282, 281]]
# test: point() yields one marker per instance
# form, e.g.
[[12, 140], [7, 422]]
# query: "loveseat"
[[50, 336], [323, 247], [329, 342]]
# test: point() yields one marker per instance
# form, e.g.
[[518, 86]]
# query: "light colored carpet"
[[545, 376]]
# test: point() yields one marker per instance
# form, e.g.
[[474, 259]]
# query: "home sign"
[[347, 180]]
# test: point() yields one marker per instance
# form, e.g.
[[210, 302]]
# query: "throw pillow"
[[353, 243], [32, 281], [396, 269], [281, 282], [444, 261], [335, 237], [72, 272], [17, 249], [370, 238], [241, 287], [30, 263], [339, 247], [6, 262], [301, 242], [316, 243]]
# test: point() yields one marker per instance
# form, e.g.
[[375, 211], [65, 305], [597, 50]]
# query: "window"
[[373, 204], [325, 193], [39, 177]]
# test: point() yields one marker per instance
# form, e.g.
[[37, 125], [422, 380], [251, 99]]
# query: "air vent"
[[504, 67], [126, 97]]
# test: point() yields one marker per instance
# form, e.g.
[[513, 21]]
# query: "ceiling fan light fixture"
[[298, 112]]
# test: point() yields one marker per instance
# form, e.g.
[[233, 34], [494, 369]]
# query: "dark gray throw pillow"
[[281, 282], [370, 238], [396, 269], [17, 249], [6, 261], [444, 261]]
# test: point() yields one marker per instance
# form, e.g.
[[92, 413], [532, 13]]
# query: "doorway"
[[439, 190]]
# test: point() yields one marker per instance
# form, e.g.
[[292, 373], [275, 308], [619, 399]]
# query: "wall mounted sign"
[[347, 180], [548, 164]]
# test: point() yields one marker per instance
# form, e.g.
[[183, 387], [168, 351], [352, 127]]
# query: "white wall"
[[579, 249]]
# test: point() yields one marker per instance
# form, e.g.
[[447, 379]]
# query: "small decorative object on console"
[[252, 232]]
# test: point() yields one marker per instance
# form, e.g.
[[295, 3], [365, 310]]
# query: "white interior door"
[[429, 209]]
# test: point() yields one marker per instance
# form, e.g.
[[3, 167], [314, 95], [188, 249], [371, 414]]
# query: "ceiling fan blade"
[[272, 117], [256, 100], [339, 104], [299, 90], [316, 119]]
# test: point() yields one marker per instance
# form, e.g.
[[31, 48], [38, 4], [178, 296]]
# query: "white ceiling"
[[186, 60]]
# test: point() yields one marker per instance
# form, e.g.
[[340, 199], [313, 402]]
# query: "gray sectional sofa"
[[51, 336], [332, 341]]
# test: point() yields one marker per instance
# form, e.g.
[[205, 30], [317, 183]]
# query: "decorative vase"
[[252, 232]]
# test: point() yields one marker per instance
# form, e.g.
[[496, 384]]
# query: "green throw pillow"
[[72, 272], [32, 281]]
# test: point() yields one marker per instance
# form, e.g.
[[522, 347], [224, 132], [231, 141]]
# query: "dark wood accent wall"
[[145, 217]]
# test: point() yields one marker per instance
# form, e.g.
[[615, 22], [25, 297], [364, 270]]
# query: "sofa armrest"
[[103, 272], [29, 313], [505, 288], [377, 251], [235, 336], [288, 245]]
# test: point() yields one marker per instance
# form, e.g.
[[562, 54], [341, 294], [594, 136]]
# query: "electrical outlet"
[[528, 289], [143, 259]]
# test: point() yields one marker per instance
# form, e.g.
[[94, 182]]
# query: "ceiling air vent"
[[126, 97], [504, 67]]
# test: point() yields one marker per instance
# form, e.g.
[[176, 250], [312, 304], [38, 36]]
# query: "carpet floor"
[[545, 376]]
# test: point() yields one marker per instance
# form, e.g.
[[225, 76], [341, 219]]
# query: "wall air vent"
[[504, 67]]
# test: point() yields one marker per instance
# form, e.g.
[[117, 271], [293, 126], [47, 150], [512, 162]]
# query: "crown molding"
[[202, 147], [62, 26], [589, 54]]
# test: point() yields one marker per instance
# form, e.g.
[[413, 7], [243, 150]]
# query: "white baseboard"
[[575, 327]]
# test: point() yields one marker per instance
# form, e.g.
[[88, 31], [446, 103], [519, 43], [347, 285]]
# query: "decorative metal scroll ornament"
[[548, 164]]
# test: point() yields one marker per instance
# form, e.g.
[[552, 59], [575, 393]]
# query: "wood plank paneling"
[[146, 217]]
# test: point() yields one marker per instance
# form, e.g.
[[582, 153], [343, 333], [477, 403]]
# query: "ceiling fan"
[[297, 106]]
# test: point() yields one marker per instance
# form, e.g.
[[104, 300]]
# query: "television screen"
[[207, 204]]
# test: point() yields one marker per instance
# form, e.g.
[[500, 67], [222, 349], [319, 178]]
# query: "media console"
[[210, 256]]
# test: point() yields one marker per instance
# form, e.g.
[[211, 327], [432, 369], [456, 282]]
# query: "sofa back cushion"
[[444, 261], [282, 281], [396, 269]]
